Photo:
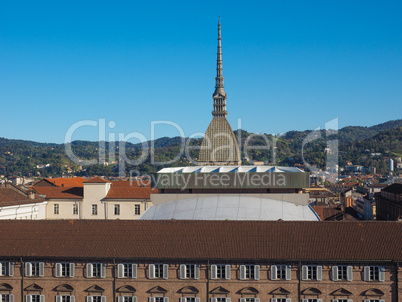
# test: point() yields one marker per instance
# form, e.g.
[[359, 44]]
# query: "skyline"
[[285, 68]]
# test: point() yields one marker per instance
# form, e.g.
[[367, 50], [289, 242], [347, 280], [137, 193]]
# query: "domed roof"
[[230, 207]]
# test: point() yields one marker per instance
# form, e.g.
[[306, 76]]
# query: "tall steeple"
[[219, 95], [219, 146]]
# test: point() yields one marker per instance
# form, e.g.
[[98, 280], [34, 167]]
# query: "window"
[[220, 300], [158, 299], [96, 270], [374, 273], [75, 209], [249, 299], [116, 209], [6, 268], [96, 298], [189, 299], [127, 299], [34, 298], [249, 272], [127, 270], [311, 300], [342, 300], [34, 269], [56, 209], [137, 209], [281, 272], [374, 300], [281, 300], [94, 209], [6, 298], [65, 269], [189, 271], [342, 272], [159, 271], [65, 298], [220, 271], [312, 272]]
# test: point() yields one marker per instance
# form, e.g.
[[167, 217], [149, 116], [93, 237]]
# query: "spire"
[[219, 95]]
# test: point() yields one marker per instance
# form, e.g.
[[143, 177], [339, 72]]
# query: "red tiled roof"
[[61, 192], [241, 240], [67, 182], [9, 197], [130, 184], [95, 180], [130, 192]]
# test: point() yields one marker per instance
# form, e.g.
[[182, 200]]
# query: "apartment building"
[[194, 261]]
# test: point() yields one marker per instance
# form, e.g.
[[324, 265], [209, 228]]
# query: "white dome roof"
[[230, 207]]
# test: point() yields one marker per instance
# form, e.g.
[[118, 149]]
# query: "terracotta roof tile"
[[95, 180], [130, 192], [131, 184], [241, 240], [61, 192], [9, 197], [67, 182]]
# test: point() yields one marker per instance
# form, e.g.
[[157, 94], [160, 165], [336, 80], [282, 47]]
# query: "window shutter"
[[334, 300], [182, 299], [151, 299], [134, 267], [10, 298], [197, 274], [256, 272], [242, 274], [183, 272], [42, 298], [103, 298], [28, 270], [103, 270], [214, 274], [335, 274], [273, 273], [304, 300], [257, 300], [151, 271], [89, 299], [58, 273], [213, 300], [319, 300], [273, 299], [382, 300], [319, 273], [165, 299], [120, 299], [41, 269], [350, 300], [366, 300], [134, 298], [165, 271], [349, 273], [1, 266], [227, 273], [304, 274], [1, 298], [11, 270], [72, 299], [381, 276], [28, 298], [228, 300], [367, 273], [89, 270], [58, 298], [197, 299], [288, 300], [120, 270], [242, 299], [71, 270], [288, 272]]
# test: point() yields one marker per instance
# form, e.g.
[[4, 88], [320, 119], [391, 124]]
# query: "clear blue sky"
[[288, 65]]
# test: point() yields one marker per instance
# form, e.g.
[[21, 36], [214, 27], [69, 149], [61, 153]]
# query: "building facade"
[[197, 261]]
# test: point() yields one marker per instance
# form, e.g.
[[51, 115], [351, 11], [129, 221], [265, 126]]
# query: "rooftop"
[[191, 240]]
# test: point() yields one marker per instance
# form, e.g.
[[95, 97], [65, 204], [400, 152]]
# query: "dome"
[[230, 207]]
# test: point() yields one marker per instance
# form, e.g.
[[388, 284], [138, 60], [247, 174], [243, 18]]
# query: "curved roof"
[[230, 207]]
